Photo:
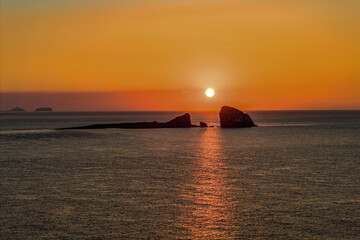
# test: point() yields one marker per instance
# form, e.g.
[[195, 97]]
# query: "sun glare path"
[[208, 215], [209, 92]]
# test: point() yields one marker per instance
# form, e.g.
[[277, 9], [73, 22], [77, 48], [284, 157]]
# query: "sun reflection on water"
[[207, 214]]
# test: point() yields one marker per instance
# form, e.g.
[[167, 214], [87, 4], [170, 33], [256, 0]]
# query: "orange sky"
[[163, 54]]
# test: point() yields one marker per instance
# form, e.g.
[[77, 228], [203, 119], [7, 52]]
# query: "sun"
[[209, 92]]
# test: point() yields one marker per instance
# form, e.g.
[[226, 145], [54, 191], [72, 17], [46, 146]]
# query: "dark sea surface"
[[295, 176]]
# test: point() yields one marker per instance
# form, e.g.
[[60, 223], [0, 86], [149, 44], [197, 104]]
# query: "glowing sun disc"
[[209, 92]]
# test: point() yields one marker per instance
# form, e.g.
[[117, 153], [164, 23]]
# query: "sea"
[[294, 176]]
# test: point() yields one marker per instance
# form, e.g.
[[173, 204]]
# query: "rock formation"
[[202, 124], [178, 122], [181, 121], [229, 118], [233, 118]]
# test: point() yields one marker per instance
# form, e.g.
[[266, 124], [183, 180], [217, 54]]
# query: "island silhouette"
[[44, 109], [230, 117], [17, 109]]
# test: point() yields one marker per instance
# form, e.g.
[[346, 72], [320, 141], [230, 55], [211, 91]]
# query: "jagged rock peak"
[[180, 121]]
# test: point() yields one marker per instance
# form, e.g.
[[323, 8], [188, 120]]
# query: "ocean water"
[[295, 176]]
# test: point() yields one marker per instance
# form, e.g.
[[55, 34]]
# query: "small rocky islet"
[[229, 118]]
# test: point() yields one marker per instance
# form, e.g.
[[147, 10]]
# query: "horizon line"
[[194, 111]]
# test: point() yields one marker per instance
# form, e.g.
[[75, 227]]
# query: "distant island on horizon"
[[44, 109], [17, 109], [41, 109]]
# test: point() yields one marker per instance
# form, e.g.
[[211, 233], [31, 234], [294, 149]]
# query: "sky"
[[79, 55]]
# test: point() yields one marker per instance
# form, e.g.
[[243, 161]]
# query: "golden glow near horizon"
[[275, 55], [209, 92]]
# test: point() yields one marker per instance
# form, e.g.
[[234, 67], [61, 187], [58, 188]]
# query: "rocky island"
[[178, 122], [229, 118], [234, 118]]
